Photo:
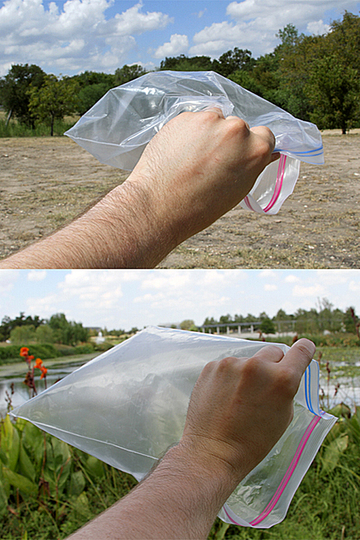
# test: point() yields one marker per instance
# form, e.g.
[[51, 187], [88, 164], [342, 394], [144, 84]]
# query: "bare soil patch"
[[46, 182]]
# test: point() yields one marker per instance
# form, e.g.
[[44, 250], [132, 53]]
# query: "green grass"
[[67, 488], [15, 129]]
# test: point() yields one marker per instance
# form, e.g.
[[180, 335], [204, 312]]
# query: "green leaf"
[[57, 453], [26, 466], [333, 453], [19, 482], [3, 457], [10, 442], [77, 484], [354, 425], [33, 441], [81, 508], [94, 467], [3, 499]]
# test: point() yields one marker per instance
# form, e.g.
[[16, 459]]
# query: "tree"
[[89, 78], [231, 61], [334, 81], [8, 324], [333, 90], [128, 73], [68, 333], [89, 95], [55, 99], [267, 326], [14, 89], [44, 334], [210, 320], [350, 320], [184, 63], [22, 335], [188, 324]]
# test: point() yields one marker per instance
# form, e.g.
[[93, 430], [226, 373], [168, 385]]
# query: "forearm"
[[192, 172], [121, 231], [179, 500]]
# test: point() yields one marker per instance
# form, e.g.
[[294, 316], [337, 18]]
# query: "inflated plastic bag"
[[117, 128], [127, 406]]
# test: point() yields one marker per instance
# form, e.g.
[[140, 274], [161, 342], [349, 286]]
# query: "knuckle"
[[238, 126], [253, 366], [225, 364]]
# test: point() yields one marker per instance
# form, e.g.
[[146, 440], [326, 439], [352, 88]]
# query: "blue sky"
[[123, 299], [101, 35]]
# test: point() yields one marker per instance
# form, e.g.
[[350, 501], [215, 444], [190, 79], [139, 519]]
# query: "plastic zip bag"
[[120, 125], [128, 405]]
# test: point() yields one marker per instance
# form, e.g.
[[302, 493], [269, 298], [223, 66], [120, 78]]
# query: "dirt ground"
[[46, 182]]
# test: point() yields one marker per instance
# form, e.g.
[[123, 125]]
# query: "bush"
[[83, 349], [68, 350], [334, 340], [11, 353], [49, 489], [102, 347]]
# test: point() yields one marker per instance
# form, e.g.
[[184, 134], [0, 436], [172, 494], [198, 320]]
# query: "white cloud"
[[318, 28], [292, 279], [46, 305], [354, 286], [133, 21], [77, 37], [254, 24], [311, 291], [268, 274], [8, 279], [36, 275], [270, 287], [202, 13], [178, 44]]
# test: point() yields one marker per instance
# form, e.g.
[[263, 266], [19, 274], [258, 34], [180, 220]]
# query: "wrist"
[[133, 212], [204, 469], [125, 229]]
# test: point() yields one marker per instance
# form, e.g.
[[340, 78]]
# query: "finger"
[[270, 353], [299, 356], [216, 110], [266, 134], [275, 156], [237, 119]]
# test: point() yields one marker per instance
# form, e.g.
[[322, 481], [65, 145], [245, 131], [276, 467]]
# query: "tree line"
[[322, 318], [315, 78], [56, 329]]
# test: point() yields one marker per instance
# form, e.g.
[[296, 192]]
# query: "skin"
[[193, 171], [238, 410]]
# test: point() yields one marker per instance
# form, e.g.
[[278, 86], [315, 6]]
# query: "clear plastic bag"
[[117, 128], [127, 406]]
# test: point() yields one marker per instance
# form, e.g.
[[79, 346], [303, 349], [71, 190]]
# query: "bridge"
[[248, 329]]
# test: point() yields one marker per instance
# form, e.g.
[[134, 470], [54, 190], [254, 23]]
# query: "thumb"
[[299, 357]]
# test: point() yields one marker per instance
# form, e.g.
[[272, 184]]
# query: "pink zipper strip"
[[278, 183], [278, 186], [287, 475]]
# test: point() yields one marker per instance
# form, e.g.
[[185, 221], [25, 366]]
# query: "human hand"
[[193, 171], [240, 407], [198, 167]]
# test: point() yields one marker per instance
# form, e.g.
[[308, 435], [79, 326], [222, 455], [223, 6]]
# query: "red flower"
[[43, 372], [38, 363], [24, 351]]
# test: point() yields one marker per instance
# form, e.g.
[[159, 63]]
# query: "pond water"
[[22, 392], [342, 386]]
